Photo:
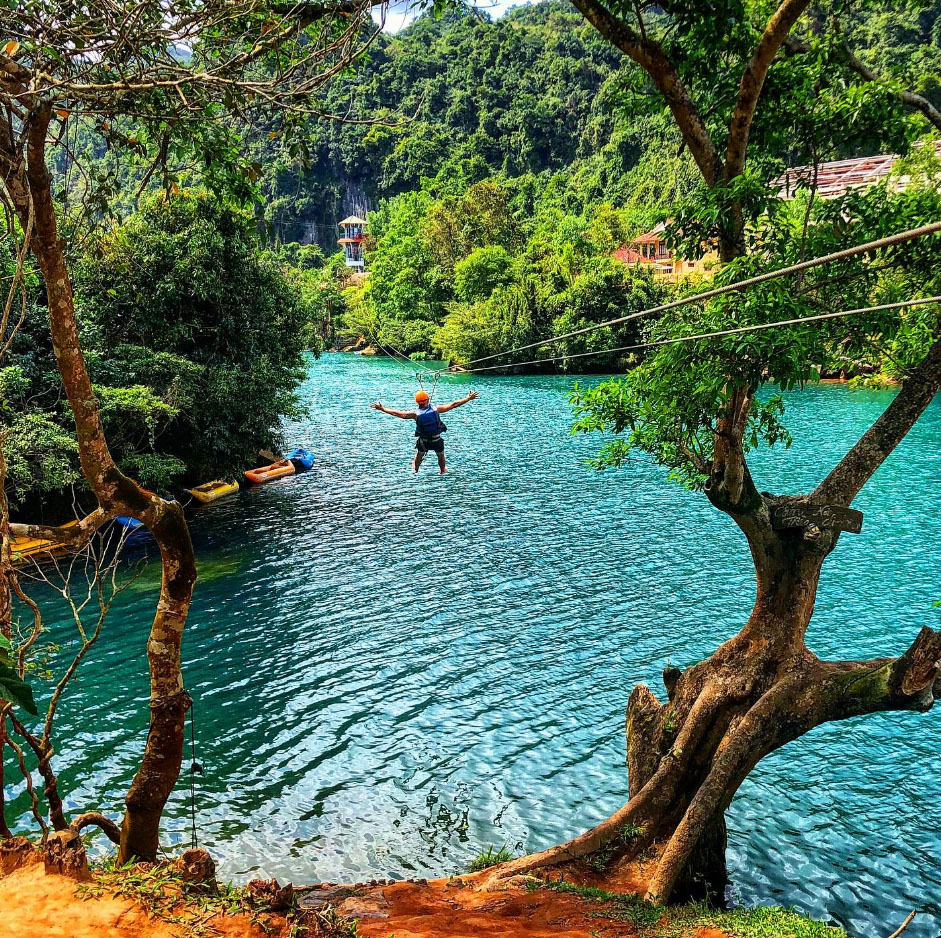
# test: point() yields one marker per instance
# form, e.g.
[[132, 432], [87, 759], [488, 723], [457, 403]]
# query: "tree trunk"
[[155, 779], [30, 190], [721, 716], [763, 688], [163, 752], [732, 237]]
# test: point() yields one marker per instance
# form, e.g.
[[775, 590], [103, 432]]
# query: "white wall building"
[[353, 235]]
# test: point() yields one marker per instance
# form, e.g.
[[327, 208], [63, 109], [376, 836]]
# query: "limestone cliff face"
[[319, 228]]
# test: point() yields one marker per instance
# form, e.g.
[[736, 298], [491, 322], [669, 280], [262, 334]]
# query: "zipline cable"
[[892, 240], [397, 357], [711, 335]]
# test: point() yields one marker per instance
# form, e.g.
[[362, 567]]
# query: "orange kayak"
[[283, 467]]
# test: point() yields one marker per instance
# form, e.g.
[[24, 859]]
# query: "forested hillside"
[[503, 162], [463, 97]]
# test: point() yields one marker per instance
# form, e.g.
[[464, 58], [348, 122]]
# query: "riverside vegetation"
[[182, 315], [535, 152]]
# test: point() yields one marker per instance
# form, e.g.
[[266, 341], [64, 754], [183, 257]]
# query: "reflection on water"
[[391, 672]]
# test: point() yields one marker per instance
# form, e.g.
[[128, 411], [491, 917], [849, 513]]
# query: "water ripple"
[[390, 672]]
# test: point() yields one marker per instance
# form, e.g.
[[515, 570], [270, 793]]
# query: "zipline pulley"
[[424, 376]]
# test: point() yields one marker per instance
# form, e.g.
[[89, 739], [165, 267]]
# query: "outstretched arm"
[[404, 414], [442, 408]]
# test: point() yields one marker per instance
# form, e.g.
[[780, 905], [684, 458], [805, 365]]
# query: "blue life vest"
[[427, 422]]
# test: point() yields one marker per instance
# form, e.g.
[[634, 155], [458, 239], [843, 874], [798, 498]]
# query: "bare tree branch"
[[914, 101], [796, 46]]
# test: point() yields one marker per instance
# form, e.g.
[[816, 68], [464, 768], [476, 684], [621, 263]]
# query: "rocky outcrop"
[[64, 855], [270, 894], [15, 853]]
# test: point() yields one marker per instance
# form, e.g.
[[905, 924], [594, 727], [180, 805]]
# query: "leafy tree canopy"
[[195, 341], [824, 106]]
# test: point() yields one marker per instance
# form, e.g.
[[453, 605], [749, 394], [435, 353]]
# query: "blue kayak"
[[135, 529], [302, 458]]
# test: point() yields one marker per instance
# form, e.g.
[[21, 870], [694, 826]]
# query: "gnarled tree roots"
[[687, 757]]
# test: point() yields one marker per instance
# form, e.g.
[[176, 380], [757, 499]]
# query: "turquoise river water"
[[391, 672]]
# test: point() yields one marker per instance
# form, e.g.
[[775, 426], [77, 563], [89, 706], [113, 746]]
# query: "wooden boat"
[[26, 548], [213, 491], [283, 467]]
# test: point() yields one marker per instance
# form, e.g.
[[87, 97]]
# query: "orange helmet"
[[421, 397]]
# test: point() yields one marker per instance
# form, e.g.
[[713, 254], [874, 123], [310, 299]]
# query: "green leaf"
[[14, 688]]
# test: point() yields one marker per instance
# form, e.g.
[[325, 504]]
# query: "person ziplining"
[[428, 424]]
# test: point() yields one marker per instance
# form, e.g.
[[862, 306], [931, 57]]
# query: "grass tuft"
[[656, 921], [331, 925], [489, 857], [763, 922], [601, 859], [624, 907], [187, 908]]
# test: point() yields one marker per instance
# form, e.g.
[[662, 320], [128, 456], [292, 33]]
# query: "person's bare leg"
[[416, 462], [441, 464]]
